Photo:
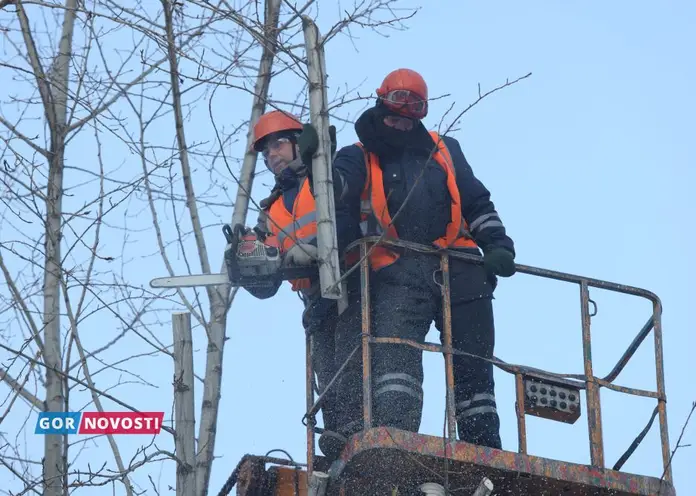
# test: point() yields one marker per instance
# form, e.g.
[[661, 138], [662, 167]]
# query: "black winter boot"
[[331, 444], [482, 429]]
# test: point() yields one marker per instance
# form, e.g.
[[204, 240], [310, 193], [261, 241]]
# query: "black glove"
[[308, 143], [499, 261]]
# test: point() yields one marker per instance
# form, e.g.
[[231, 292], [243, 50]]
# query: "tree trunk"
[[55, 477], [218, 314], [54, 466], [329, 270], [185, 423]]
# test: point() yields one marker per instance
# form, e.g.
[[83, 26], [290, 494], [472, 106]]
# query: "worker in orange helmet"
[[288, 216], [399, 166]]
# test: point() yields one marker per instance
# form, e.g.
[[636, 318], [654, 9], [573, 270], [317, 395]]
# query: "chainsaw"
[[252, 259]]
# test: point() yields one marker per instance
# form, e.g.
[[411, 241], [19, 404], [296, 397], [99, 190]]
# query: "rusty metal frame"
[[588, 381], [252, 470]]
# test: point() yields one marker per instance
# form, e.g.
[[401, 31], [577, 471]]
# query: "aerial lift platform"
[[387, 461]]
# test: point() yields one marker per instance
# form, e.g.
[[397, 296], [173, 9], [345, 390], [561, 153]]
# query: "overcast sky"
[[590, 162]]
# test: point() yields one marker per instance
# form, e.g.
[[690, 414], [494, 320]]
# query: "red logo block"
[[121, 423]]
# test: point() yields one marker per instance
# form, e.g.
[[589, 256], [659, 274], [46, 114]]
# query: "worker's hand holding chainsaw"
[[301, 255], [233, 236]]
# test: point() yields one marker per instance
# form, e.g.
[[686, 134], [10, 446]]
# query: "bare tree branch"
[[124, 89], [678, 444], [78, 381], [35, 332], [21, 136], [95, 396], [16, 386], [38, 71]]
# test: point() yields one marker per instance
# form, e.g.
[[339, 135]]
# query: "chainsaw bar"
[[200, 280], [190, 281]]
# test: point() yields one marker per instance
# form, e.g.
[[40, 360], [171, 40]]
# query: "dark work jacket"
[[428, 211]]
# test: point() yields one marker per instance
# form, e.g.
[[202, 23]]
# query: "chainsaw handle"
[[233, 236], [227, 231]]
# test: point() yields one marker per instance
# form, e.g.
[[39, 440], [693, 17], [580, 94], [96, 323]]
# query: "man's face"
[[278, 154]]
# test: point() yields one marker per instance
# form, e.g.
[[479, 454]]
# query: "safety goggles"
[[406, 102], [273, 144]]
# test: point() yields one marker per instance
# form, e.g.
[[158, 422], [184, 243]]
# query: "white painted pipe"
[[485, 488], [317, 484], [432, 489]]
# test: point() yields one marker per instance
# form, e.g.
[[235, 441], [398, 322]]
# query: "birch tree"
[[107, 169]]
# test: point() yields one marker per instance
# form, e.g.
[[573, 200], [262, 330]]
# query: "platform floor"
[[381, 458]]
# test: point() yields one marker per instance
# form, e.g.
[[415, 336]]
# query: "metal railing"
[[587, 381]]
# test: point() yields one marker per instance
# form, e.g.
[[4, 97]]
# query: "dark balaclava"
[[387, 141]]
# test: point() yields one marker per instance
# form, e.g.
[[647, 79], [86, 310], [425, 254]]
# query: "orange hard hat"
[[274, 122], [405, 92]]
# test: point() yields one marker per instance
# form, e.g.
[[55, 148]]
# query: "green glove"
[[499, 261], [308, 143], [332, 135]]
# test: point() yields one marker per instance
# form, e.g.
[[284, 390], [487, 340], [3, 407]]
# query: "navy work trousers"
[[406, 298]]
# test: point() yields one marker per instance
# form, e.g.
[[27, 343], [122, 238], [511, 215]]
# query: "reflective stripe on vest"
[[296, 232], [300, 225], [374, 213]]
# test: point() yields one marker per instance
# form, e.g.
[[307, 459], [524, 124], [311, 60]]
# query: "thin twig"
[[678, 445]]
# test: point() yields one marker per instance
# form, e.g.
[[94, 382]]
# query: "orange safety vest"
[[375, 218], [287, 228], [299, 225]]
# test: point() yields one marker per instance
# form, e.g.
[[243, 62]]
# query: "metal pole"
[[519, 409], [661, 402], [594, 412], [311, 420], [366, 356], [447, 338]]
